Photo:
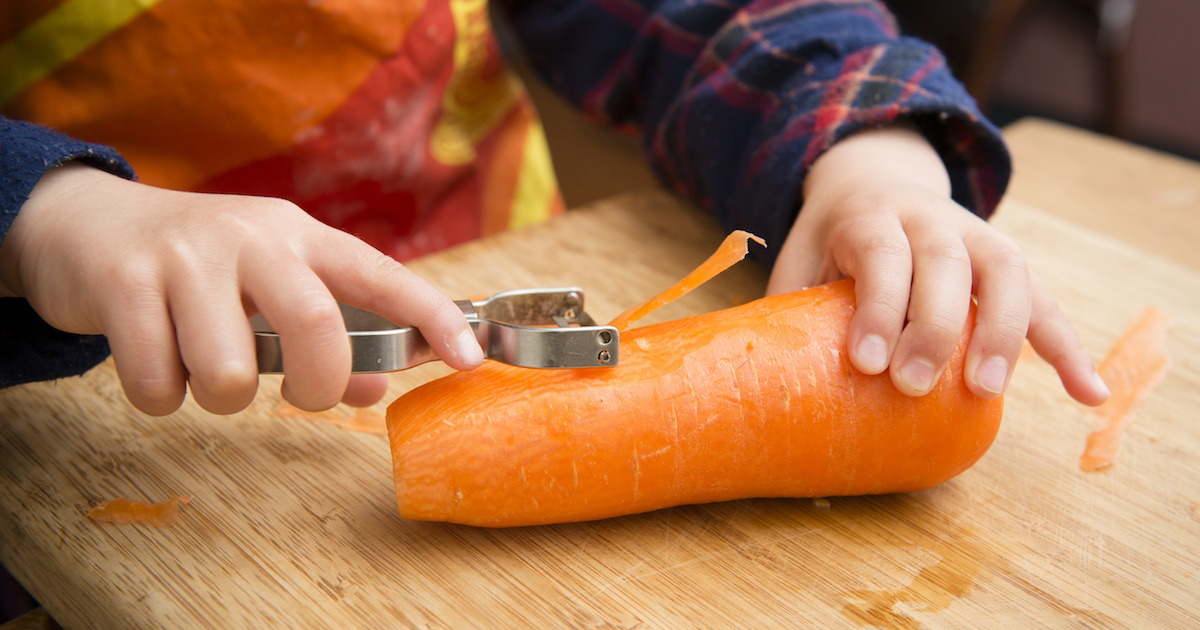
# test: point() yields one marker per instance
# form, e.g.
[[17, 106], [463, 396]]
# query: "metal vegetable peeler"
[[537, 328]]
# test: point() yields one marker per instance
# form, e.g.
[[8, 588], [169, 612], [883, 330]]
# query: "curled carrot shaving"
[[732, 250], [128, 512], [1134, 367]]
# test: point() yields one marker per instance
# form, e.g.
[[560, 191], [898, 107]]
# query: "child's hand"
[[172, 277], [877, 208]]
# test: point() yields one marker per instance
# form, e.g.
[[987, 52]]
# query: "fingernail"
[[467, 348], [918, 375], [992, 374], [872, 354], [1100, 382]]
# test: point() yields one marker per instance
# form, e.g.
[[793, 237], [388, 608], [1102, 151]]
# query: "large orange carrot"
[[758, 400]]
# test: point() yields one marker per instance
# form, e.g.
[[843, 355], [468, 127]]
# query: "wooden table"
[[294, 524]]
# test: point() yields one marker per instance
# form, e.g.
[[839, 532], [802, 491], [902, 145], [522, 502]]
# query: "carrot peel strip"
[[1134, 367], [362, 420], [732, 250], [128, 512]]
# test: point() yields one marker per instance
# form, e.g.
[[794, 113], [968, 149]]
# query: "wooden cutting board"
[[293, 521]]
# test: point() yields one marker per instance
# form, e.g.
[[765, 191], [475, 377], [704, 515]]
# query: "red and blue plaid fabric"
[[735, 99]]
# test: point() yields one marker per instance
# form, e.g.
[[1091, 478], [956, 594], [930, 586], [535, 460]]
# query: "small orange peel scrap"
[[130, 512], [363, 420], [1134, 367]]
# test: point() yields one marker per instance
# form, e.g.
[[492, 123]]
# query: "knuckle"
[[948, 252], [314, 314], [860, 229], [867, 201], [381, 273], [273, 209], [890, 304], [423, 304], [1005, 242], [135, 278], [1009, 262], [137, 292], [873, 243], [883, 248], [227, 224], [1009, 325], [940, 329]]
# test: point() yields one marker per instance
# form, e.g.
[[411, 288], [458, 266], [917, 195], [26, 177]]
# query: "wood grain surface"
[[1137, 195], [293, 521]]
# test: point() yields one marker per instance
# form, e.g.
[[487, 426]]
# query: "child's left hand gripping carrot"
[[877, 208]]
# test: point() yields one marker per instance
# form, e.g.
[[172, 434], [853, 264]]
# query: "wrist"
[[893, 154], [37, 210]]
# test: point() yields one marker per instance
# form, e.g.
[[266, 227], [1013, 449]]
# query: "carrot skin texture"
[[755, 401]]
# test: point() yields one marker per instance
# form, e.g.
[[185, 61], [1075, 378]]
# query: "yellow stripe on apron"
[[536, 186], [58, 37]]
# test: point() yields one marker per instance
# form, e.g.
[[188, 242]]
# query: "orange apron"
[[396, 120]]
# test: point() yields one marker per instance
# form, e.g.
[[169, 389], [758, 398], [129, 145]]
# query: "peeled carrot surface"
[[128, 511], [758, 400]]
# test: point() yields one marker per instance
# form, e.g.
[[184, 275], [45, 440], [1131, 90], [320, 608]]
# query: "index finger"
[[1055, 340], [364, 277]]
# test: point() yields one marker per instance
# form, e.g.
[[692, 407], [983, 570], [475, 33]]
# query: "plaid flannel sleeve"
[[735, 99]]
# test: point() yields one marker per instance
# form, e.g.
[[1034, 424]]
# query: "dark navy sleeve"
[[30, 349], [735, 99]]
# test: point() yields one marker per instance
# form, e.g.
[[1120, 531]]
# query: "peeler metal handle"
[[537, 328]]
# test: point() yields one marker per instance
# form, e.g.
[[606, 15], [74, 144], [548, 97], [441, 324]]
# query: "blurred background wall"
[[1126, 67]]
